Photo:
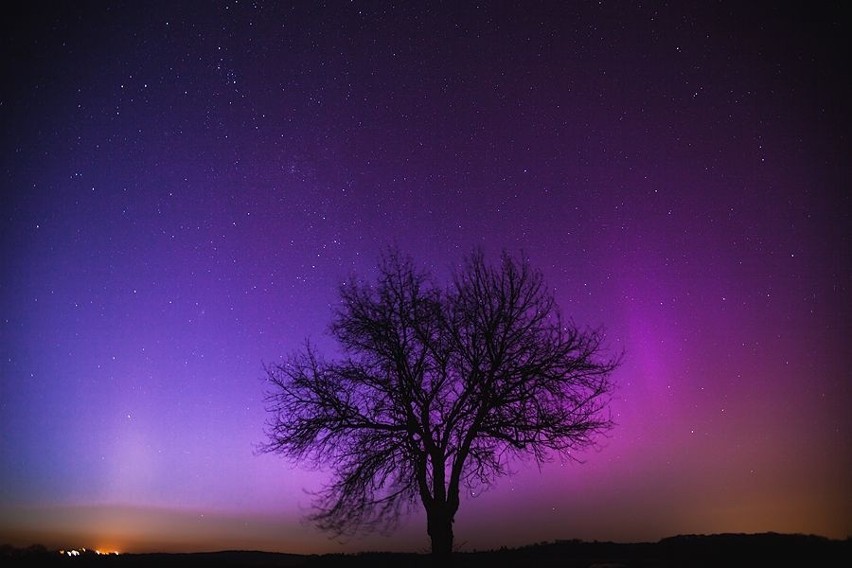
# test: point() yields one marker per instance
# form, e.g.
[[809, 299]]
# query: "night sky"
[[185, 184]]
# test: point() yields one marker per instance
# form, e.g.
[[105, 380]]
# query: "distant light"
[[83, 550]]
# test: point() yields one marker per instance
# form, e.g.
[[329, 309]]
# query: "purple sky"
[[185, 184]]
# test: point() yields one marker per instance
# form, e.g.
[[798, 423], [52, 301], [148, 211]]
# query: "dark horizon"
[[37, 548], [733, 550]]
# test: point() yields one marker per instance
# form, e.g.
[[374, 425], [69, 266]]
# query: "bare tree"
[[439, 389]]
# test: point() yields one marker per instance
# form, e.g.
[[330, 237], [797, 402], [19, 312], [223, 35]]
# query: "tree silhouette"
[[438, 389]]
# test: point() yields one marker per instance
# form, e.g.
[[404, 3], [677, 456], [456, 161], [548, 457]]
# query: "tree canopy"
[[439, 388]]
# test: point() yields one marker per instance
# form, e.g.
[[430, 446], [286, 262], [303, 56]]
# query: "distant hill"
[[683, 551]]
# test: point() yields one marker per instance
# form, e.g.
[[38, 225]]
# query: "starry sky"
[[185, 184]]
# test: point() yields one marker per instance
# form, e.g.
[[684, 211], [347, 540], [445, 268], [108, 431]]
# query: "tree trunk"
[[439, 525]]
